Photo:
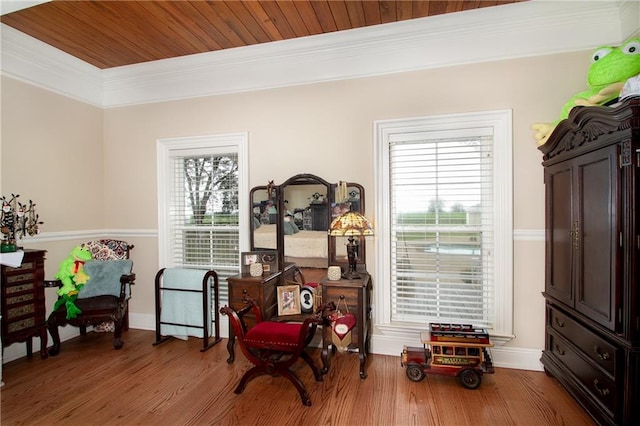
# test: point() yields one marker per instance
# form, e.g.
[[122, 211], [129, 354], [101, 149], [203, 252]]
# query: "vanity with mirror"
[[293, 218]]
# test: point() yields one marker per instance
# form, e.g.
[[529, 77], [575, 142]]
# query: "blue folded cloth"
[[183, 307]]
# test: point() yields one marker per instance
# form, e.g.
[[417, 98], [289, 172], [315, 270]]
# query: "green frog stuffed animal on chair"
[[72, 276]]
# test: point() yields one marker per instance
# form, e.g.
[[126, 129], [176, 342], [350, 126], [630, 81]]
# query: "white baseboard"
[[518, 358], [505, 357]]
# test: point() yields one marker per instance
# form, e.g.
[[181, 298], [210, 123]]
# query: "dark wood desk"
[[357, 295]]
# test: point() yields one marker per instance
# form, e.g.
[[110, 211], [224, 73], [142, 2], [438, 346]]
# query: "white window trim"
[[501, 121], [225, 142]]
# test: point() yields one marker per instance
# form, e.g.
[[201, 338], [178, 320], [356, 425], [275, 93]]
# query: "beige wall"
[[52, 153], [53, 150]]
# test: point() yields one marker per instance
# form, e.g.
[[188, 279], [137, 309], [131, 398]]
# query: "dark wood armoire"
[[591, 173]]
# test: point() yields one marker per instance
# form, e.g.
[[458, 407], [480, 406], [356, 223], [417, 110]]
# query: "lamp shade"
[[349, 224]]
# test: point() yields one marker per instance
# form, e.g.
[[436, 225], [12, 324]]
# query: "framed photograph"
[[268, 258], [307, 299], [288, 299]]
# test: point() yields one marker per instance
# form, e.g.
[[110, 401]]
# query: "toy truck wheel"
[[415, 373], [470, 379]]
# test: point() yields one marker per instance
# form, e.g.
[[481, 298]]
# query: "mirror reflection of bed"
[[305, 248]]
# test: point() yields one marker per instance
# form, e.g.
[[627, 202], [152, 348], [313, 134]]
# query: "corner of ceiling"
[[27, 59]]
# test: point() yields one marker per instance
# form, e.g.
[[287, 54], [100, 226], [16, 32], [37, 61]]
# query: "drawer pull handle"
[[559, 350], [601, 390], [245, 291], [559, 323], [602, 355]]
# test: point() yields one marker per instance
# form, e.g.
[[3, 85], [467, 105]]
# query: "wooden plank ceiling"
[[114, 33]]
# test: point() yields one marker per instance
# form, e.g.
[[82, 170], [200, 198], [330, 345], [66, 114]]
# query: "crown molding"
[[532, 28], [30, 60]]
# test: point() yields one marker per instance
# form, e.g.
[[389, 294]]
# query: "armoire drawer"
[[596, 382], [11, 288], [14, 279], [17, 326], [27, 265], [20, 311], [21, 298], [592, 345]]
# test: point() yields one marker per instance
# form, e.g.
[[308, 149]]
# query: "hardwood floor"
[[89, 383]]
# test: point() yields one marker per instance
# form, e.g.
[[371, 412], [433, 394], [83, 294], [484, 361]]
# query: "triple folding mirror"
[[294, 218]]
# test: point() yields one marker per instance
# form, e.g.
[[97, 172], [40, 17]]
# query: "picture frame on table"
[[288, 300], [268, 258]]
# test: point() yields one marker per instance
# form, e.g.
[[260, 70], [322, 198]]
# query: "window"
[[444, 223], [200, 208]]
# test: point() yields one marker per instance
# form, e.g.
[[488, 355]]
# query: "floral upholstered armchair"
[[103, 301]]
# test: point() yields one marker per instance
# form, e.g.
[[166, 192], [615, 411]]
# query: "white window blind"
[[204, 213], [200, 205], [441, 198], [444, 222]]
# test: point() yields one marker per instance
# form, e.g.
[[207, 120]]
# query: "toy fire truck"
[[458, 350]]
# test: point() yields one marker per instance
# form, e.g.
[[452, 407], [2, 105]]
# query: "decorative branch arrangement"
[[16, 221]]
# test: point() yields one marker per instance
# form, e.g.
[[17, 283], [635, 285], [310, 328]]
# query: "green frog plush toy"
[[610, 68], [72, 276]]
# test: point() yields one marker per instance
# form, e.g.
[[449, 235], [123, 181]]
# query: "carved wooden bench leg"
[[289, 375], [316, 371], [251, 374]]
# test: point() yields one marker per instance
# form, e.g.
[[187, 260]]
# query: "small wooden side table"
[[357, 295]]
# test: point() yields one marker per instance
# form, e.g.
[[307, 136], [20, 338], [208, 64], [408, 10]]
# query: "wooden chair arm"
[[235, 320], [325, 310], [252, 306], [52, 283], [124, 280], [313, 321], [128, 279]]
